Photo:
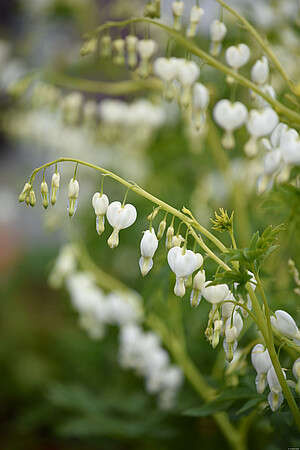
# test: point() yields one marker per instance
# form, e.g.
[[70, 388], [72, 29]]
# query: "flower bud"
[[177, 9], [54, 187], [148, 246], [44, 192], [119, 47], [105, 46], [218, 31], [161, 229], [89, 47], [218, 324], [25, 191], [195, 17], [73, 193], [32, 198], [131, 44], [146, 49], [169, 236]]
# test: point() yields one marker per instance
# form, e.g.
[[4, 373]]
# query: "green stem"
[[235, 438], [135, 188], [263, 325], [210, 60], [261, 41]]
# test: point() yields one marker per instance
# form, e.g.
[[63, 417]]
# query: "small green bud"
[[89, 47], [119, 47], [44, 192], [170, 234], [32, 198], [222, 221], [105, 46], [161, 229], [25, 192]]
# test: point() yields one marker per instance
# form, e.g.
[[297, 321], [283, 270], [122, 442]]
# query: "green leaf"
[[250, 404], [208, 409]]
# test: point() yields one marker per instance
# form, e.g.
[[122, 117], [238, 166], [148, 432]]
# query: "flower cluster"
[[142, 352], [139, 350]]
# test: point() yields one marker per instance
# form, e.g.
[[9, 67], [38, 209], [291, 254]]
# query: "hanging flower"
[[229, 116], [73, 193], [148, 246], [275, 397], [100, 204], [261, 362], [259, 124], [217, 31], [183, 263], [119, 217], [285, 324]]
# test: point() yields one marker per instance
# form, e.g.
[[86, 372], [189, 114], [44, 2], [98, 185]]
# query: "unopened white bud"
[[195, 17], [54, 187], [44, 192], [25, 191], [106, 46], [177, 9], [73, 193], [260, 359], [119, 47], [218, 31]]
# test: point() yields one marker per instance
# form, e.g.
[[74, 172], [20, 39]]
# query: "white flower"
[[198, 284], [296, 369], [290, 146], [200, 96], [285, 324], [54, 187], [217, 30], [73, 193], [65, 265], [272, 161], [187, 72], [237, 56], [195, 17], [275, 397], [166, 68], [261, 362], [215, 294], [119, 217], [229, 116], [260, 71], [259, 124], [183, 263], [177, 8], [148, 246], [100, 204], [146, 48], [233, 327]]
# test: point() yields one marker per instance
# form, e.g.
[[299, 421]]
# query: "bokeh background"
[[60, 389]]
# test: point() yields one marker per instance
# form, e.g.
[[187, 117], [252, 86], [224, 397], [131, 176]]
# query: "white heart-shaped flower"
[[261, 123], [146, 48], [119, 216], [260, 71], [187, 72], [237, 56], [260, 359], [100, 203], [217, 31], [200, 96], [290, 146], [230, 115], [196, 14], [215, 294], [166, 68], [183, 263], [149, 244], [272, 161]]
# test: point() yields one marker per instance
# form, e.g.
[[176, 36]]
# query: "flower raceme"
[[119, 217], [183, 263]]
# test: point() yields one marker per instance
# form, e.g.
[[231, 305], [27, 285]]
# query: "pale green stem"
[[135, 188], [110, 88], [235, 438], [210, 60], [263, 326], [261, 41]]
